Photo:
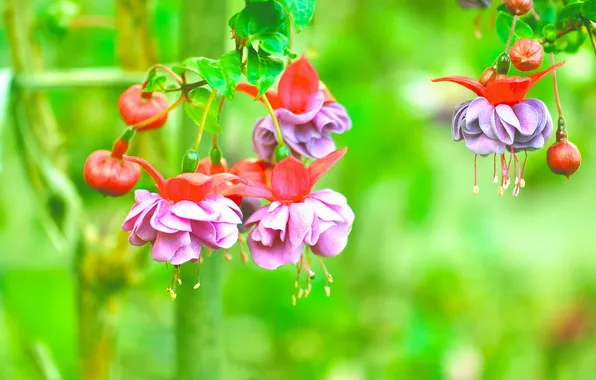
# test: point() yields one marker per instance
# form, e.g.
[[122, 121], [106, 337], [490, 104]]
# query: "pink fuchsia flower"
[[297, 217], [188, 213], [501, 120], [307, 113]]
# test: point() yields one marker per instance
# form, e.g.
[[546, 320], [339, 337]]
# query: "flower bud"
[[215, 155], [519, 7], [563, 157], [190, 161], [136, 106], [110, 175], [503, 64], [527, 54], [488, 75], [281, 152]]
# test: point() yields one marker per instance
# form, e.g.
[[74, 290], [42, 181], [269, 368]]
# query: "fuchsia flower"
[[307, 113], [297, 217], [188, 213], [501, 120]]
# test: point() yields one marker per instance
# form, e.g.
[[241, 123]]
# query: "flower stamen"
[[475, 189]]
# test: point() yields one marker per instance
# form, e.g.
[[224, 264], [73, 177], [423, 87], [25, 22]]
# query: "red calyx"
[[137, 106], [110, 175], [563, 157], [519, 7], [527, 54]]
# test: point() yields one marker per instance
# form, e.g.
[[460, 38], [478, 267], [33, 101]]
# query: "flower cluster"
[[501, 120], [307, 113], [210, 205]]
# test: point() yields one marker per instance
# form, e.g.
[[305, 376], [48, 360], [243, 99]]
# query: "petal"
[[187, 253], [256, 216], [290, 180], [321, 166], [459, 116], [332, 242], [468, 83], [481, 144], [161, 209], [528, 118], [190, 210], [277, 219], [300, 222], [255, 190], [320, 147], [273, 256], [166, 245], [297, 84]]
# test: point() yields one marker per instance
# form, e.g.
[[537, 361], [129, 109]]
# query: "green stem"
[[590, 34], [204, 119], [198, 313], [280, 137], [198, 320], [511, 33]]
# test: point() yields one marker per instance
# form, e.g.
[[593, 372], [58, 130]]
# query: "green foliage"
[[262, 70], [504, 22], [588, 10], [196, 109], [56, 17], [222, 75], [155, 82]]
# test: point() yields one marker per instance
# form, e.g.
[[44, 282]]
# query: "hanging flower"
[[307, 112], [188, 213], [136, 106], [501, 120], [297, 217]]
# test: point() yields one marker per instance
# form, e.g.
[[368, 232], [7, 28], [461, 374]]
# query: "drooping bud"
[[519, 7], [190, 161], [563, 157], [527, 54], [136, 106], [109, 175]]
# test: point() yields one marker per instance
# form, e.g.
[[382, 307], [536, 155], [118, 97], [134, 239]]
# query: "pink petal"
[[301, 219], [187, 253], [256, 216], [166, 245], [273, 256]]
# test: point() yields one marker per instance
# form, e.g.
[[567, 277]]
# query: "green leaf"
[[261, 17], [195, 111], [189, 64], [589, 10], [224, 74], [569, 15], [503, 24], [262, 70], [155, 82], [571, 42], [549, 32], [272, 43], [301, 12]]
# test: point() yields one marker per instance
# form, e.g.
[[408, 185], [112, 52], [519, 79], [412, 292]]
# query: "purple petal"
[[187, 253], [481, 144], [301, 219]]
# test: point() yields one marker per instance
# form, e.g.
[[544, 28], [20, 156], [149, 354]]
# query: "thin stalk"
[[590, 34], [511, 33], [204, 118], [556, 87], [161, 114], [280, 137]]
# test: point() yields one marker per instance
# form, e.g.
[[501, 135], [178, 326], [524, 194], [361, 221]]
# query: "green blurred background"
[[436, 283]]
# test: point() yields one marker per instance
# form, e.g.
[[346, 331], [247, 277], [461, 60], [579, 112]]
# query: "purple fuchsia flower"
[[500, 120], [307, 112], [297, 218], [187, 214]]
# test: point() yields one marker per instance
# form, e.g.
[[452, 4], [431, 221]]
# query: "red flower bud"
[[110, 175], [527, 54], [519, 7], [137, 106], [563, 157], [488, 75]]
